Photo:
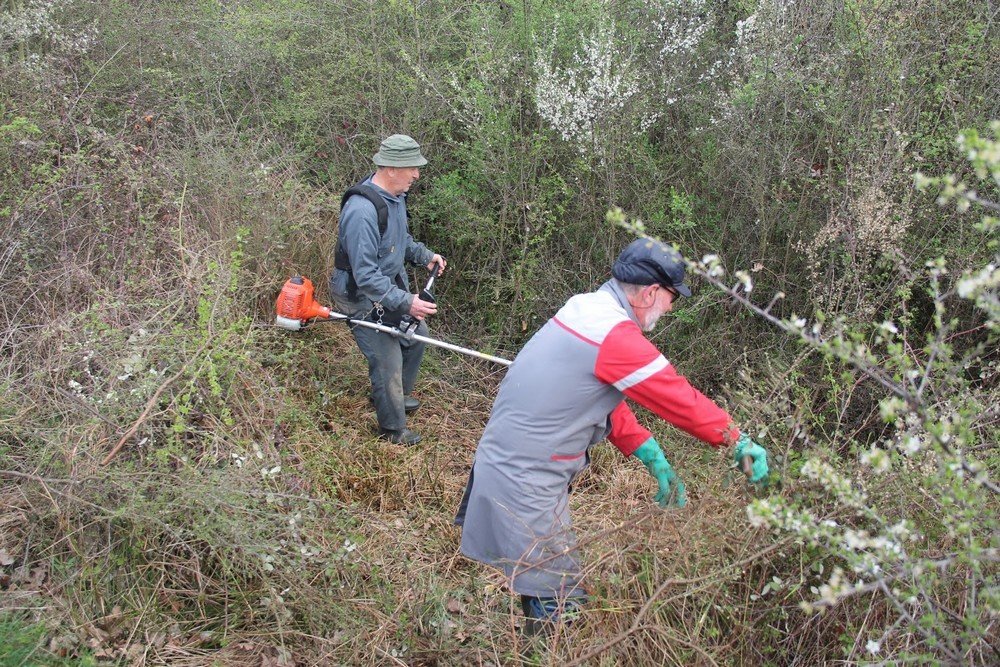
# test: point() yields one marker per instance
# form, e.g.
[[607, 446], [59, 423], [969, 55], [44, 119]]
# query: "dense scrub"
[[183, 483]]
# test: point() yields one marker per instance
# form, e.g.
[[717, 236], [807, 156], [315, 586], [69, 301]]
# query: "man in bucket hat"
[[563, 394], [370, 281]]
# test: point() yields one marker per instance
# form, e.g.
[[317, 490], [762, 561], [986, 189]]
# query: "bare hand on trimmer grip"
[[421, 309]]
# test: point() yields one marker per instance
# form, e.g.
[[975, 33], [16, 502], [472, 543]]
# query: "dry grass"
[[406, 499], [179, 542]]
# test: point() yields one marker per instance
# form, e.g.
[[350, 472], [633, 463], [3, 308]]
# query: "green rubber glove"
[[747, 447], [652, 457]]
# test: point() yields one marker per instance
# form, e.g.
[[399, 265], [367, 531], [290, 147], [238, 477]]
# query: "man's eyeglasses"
[[672, 291]]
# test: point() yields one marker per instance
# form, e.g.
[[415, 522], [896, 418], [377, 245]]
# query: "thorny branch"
[[879, 375], [661, 589]]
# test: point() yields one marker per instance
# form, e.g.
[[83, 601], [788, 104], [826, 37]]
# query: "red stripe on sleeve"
[[626, 351]]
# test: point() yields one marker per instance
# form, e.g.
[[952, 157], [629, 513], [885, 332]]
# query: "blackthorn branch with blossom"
[[581, 98], [938, 413]]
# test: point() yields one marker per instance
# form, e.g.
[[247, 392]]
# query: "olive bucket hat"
[[647, 262], [399, 150]]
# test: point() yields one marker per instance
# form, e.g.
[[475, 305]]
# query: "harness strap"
[[340, 258]]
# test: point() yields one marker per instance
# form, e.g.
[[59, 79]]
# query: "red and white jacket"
[[631, 364], [565, 392]]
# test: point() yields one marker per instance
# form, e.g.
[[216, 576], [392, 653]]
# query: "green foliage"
[[25, 643], [19, 127]]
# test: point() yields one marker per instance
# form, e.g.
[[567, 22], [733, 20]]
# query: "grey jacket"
[[378, 264], [549, 411], [565, 392]]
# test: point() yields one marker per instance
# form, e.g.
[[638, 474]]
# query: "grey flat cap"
[[647, 262]]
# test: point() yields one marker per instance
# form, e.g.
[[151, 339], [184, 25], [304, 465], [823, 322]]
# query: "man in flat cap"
[[564, 393], [370, 281]]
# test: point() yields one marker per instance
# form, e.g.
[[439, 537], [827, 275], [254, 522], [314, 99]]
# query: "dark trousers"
[[393, 364]]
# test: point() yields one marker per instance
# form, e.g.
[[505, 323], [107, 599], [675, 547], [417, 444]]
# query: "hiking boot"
[[401, 437], [542, 614], [410, 404]]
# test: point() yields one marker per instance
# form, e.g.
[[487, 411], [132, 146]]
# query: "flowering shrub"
[[913, 520], [586, 96], [980, 285], [34, 23], [936, 568], [679, 28], [760, 48]]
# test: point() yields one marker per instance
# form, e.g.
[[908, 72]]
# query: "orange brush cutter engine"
[[296, 304]]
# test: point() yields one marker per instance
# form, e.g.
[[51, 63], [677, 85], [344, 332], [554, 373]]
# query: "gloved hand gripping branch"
[[745, 446], [656, 463]]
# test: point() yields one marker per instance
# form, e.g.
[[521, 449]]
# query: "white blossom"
[[910, 445], [971, 284], [36, 20], [745, 280], [580, 99], [823, 474], [876, 458]]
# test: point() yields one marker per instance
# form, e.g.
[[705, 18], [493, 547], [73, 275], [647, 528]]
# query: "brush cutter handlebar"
[[408, 324]]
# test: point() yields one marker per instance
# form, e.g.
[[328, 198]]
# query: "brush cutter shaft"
[[392, 331], [297, 305]]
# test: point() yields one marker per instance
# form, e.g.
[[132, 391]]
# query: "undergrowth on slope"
[[185, 484]]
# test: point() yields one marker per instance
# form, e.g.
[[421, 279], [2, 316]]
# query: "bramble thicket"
[[183, 483]]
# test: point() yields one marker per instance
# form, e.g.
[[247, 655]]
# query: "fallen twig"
[[150, 404], [640, 615]]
